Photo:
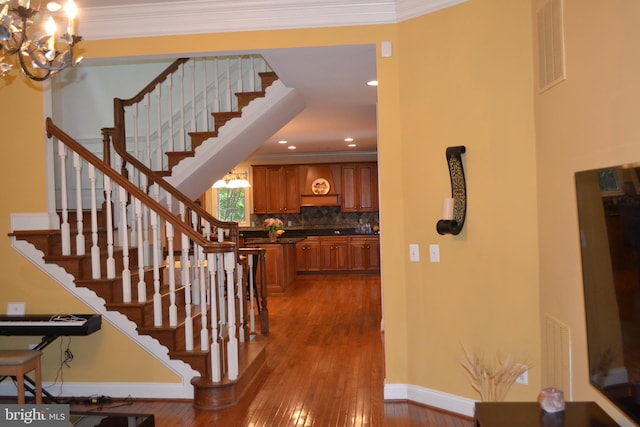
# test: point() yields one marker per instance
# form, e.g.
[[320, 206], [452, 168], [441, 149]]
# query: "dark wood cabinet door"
[[359, 187], [259, 189]]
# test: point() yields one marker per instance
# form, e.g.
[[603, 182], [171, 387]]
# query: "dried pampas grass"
[[492, 381]]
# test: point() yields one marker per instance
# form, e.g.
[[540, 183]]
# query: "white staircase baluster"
[[228, 81], [147, 116], [171, 142], [183, 126], [111, 262], [232, 344], [239, 87], [157, 298], [77, 165], [171, 260], [159, 148], [142, 287], [146, 229], [95, 249], [65, 229], [194, 125], [204, 330], [188, 320], [131, 214], [205, 96], [216, 88], [252, 74], [216, 371], [124, 244]]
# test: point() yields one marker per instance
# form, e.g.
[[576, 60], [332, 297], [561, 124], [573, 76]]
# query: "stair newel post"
[[157, 298], [252, 315], [64, 227], [204, 339], [240, 295], [77, 165], [142, 287], [232, 345], [204, 329], [124, 243], [95, 249], [111, 262]]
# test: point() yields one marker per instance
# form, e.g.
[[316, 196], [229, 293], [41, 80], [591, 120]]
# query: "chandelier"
[[41, 48], [233, 179]]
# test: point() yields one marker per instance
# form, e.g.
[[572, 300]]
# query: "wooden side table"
[[529, 414]]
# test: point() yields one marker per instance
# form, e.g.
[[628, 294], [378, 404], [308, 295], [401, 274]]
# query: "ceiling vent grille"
[[551, 55]]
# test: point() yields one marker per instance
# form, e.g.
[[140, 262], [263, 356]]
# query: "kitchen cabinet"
[[280, 261], [334, 253], [359, 187], [276, 189], [364, 253], [323, 253], [308, 254]]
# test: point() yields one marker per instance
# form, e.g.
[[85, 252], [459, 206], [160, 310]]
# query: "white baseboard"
[[437, 399], [113, 390]]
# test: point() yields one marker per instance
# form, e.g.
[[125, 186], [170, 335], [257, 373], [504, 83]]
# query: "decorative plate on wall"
[[320, 187]]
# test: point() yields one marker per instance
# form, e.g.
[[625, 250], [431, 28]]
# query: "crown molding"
[[206, 16]]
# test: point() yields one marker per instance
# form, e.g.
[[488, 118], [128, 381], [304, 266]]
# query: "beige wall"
[[462, 76], [588, 121]]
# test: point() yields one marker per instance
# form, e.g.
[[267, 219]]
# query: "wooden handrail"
[[155, 82], [207, 245], [118, 136]]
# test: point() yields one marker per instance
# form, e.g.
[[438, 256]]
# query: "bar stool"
[[16, 363]]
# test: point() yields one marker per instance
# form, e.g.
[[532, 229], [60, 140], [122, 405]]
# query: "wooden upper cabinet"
[[359, 187], [276, 189]]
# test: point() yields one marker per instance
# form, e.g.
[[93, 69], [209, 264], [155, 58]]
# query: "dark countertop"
[[279, 241], [294, 232]]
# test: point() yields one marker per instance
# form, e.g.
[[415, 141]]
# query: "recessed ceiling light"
[[349, 139], [372, 83], [351, 145], [292, 147], [282, 141]]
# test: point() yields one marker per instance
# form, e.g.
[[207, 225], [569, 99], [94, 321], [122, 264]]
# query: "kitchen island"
[[280, 261]]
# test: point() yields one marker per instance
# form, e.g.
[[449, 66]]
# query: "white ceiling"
[[332, 80]]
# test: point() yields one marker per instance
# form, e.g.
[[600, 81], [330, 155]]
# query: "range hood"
[[320, 188]]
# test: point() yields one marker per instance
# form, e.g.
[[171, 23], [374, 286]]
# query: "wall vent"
[[557, 355], [551, 55]]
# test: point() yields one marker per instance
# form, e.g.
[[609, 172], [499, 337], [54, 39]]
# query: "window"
[[232, 204]]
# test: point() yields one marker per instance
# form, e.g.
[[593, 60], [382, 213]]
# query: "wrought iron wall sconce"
[[455, 209]]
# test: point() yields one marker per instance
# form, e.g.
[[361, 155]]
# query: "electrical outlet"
[[523, 378]]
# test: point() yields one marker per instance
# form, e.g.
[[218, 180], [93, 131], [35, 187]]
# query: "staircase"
[[133, 245]]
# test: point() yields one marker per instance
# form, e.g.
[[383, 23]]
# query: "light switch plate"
[[16, 308], [414, 252], [434, 253]]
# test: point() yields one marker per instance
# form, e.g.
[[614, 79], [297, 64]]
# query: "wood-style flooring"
[[326, 362]]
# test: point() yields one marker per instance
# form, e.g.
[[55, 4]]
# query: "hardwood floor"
[[325, 358]]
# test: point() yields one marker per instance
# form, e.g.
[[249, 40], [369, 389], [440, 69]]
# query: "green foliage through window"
[[231, 204]]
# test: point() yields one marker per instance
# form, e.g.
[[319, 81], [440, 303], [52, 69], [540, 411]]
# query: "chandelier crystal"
[[35, 36]]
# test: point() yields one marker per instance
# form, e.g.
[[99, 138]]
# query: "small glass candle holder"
[[551, 400]]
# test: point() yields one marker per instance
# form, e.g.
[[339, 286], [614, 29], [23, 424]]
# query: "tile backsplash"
[[320, 216]]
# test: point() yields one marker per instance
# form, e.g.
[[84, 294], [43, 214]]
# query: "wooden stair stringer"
[[118, 320], [237, 139]]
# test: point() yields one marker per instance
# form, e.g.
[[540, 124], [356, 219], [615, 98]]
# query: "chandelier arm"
[[29, 74]]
